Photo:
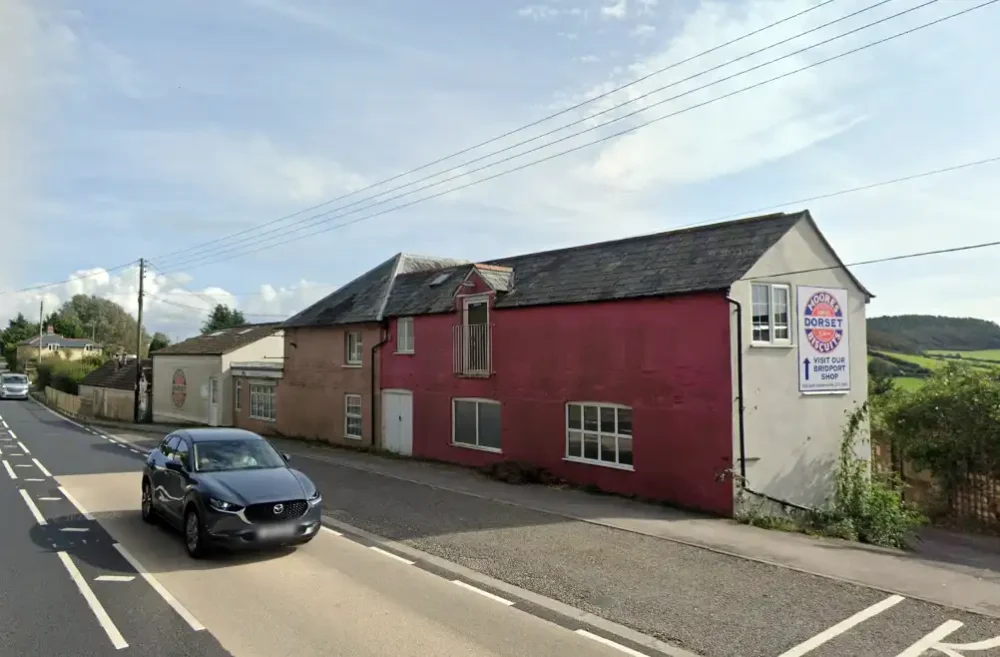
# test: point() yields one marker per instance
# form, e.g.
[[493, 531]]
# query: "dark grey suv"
[[228, 488]]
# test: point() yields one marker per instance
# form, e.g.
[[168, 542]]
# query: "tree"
[[223, 317], [18, 330], [158, 341], [104, 321]]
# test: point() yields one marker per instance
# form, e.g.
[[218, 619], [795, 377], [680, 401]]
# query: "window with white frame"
[[599, 433], [404, 335], [262, 402], [352, 347], [476, 423], [239, 393], [771, 315], [352, 416]]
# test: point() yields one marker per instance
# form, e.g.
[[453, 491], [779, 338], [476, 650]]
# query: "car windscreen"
[[15, 378], [222, 455]]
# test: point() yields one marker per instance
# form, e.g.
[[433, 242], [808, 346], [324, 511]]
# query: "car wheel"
[[194, 534], [148, 513]]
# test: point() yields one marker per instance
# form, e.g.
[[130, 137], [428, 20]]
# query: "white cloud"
[[617, 10], [588, 59], [643, 31], [172, 304], [646, 7], [538, 12]]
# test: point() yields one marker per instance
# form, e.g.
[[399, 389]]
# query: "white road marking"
[[22, 465], [610, 644], [14, 454], [976, 646], [49, 499], [12, 434], [34, 480], [391, 555], [39, 518], [815, 642], [10, 470], [74, 529], [165, 594], [123, 445], [117, 640], [21, 445], [487, 594], [133, 449], [111, 439], [114, 578], [79, 507], [931, 641], [331, 531], [42, 468], [5, 425], [1, 452]]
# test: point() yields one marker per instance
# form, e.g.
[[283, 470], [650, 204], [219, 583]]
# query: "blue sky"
[[141, 129]]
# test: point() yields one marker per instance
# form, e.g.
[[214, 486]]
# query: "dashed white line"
[[42, 468], [811, 644], [10, 470], [112, 440], [21, 445], [133, 449], [487, 594], [74, 529], [123, 445], [39, 518], [34, 480], [117, 640], [391, 555], [114, 578], [610, 643], [165, 594], [72, 500], [330, 531]]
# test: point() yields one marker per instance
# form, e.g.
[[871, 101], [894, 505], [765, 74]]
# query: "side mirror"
[[286, 456]]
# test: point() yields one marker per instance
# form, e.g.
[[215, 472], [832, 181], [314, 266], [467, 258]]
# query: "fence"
[[110, 404], [65, 402]]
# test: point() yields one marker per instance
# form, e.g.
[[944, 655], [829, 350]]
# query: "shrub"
[[64, 375]]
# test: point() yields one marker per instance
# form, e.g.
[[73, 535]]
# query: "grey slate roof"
[[700, 259], [364, 299], [64, 343], [219, 342], [115, 376]]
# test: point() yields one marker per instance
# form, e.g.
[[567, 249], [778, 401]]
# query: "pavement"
[[571, 571], [82, 575]]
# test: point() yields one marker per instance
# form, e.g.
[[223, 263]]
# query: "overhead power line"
[[229, 256], [178, 304], [324, 217], [70, 280], [492, 140]]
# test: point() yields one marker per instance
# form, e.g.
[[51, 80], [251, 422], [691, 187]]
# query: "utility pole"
[[41, 329], [138, 341]]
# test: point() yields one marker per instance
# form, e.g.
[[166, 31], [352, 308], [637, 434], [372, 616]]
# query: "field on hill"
[[983, 354], [910, 370]]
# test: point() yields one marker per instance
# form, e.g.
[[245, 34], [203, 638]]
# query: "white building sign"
[[824, 345]]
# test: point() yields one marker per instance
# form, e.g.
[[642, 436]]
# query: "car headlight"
[[222, 505], [315, 498]]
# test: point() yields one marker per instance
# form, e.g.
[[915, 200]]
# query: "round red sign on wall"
[[179, 388]]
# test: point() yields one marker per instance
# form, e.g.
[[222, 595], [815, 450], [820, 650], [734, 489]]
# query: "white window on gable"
[[771, 313], [352, 347], [404, 335]]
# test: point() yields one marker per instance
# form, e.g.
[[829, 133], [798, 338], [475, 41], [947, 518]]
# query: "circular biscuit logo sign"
[[824, 322], [179, 388]]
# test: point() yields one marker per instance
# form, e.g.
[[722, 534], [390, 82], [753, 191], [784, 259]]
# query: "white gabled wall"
[[271, 348], [793, 440], [198, 370]]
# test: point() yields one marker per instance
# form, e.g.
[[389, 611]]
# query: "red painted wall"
[[669, 359]]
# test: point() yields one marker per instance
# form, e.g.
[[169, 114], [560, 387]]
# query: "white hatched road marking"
[[12, 434], [72, 500], [487, 594], [165, 594], [39, 518], [10, 470], [843, 626], [23, 448], [117, 640], [114, 578], [391, 555], [42, 468], [610, 644], [23, 465], [49, 499], [74, 529], [35, 480]]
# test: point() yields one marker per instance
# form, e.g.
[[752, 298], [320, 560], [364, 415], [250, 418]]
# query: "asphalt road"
[[82, 575]]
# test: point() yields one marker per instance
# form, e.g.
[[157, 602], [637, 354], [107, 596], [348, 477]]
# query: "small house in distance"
[[54, 345], [109, 391], [192, 382]]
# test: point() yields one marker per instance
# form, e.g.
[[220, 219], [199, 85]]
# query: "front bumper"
[[233, 531], [14, 394]]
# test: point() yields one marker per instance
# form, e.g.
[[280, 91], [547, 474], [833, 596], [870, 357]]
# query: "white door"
[[213, 402], [397, 421]]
